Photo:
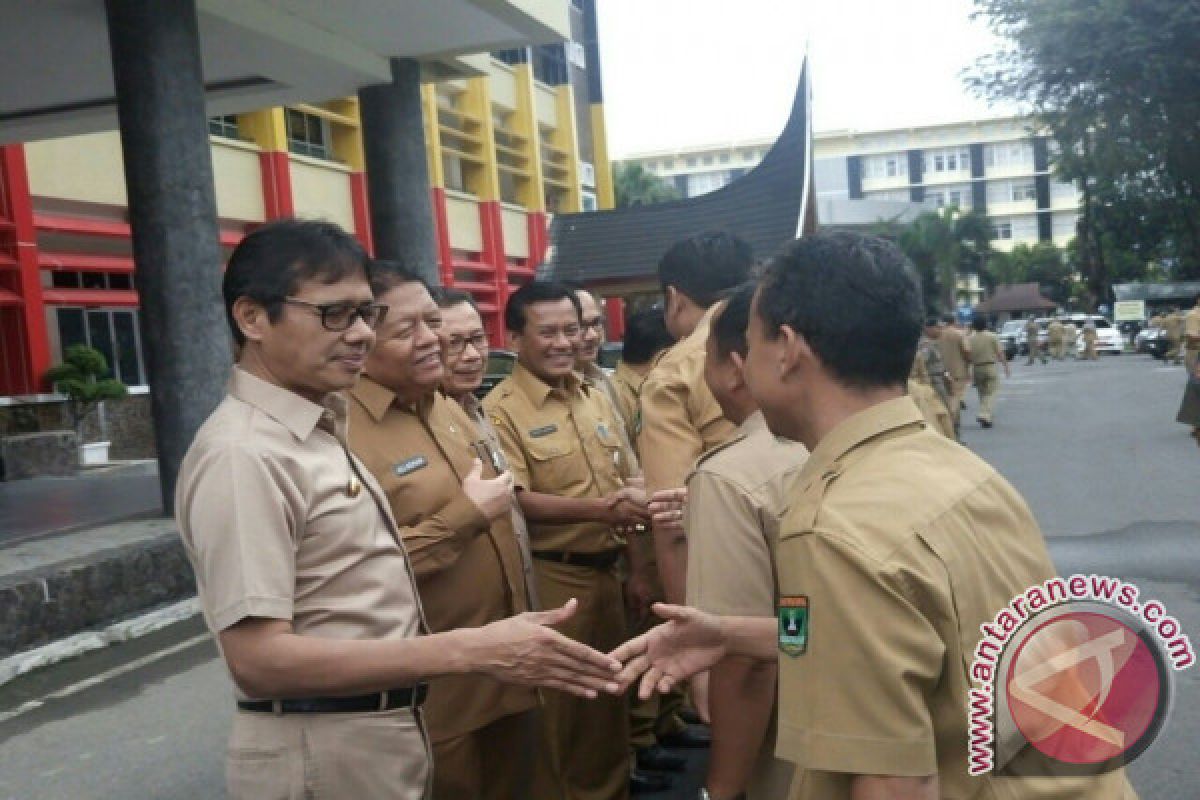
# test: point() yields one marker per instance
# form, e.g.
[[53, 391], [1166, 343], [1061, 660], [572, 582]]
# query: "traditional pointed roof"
[[1009, 297], [766, 207]]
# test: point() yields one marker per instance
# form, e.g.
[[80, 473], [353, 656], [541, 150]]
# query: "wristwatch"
[[704, 795]]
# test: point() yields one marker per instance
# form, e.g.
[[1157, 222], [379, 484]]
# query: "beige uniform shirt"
[[1191, 329], [680, 417], [932, 408], [560, 441], [281, 522], [736, 497], [468, 571], [1054, 332], [984, 347], [629, 384], [598, 378], [954, 352], [902, 544]]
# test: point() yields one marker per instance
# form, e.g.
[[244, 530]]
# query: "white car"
[[1108, 338]]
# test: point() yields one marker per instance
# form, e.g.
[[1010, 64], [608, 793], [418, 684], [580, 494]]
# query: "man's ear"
[[251, 318], [512, 340], [739, 368], [794, 353]]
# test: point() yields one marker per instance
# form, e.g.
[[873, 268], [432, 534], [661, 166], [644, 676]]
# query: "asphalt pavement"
[[1092, 446]]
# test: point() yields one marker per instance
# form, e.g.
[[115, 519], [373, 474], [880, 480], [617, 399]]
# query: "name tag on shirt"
[[545, 430], [409, 466]]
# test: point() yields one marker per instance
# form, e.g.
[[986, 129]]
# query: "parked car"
[[500, 365], [1152, 341], [1008, 336], [1108, 338]]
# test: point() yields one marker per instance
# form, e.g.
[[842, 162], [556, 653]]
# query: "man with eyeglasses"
[[301, 569], [570, 469]]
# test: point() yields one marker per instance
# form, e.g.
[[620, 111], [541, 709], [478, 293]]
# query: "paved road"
[[1092, 446], [38, 506]]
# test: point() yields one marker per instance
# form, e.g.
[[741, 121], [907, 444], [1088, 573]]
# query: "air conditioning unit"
[[576, 54], [587, 174]]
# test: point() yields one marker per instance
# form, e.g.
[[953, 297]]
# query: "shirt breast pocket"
[[555, 464]]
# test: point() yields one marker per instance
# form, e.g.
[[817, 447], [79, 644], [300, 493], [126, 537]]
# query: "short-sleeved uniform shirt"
[[903, 544], [737, 495], [280, 521], [561, 441], [984, 347], [680, 417], [598, 378], [936, 415], [1191, 328], [1055, 332], [468, 570], [954, 352], [629, 405]]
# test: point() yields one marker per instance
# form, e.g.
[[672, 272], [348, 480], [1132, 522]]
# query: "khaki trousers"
[[987, 380], [375, 755], [1190, 357], [958, 387], [494, 762], [585, 742]]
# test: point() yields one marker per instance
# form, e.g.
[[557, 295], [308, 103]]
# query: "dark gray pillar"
[[173, 212], [397, 176]]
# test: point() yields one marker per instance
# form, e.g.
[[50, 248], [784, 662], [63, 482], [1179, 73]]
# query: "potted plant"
[[84, 378]]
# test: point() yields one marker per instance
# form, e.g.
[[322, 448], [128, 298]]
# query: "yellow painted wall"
[[238, 177], [322, 190], [462, 217], [85, 168]]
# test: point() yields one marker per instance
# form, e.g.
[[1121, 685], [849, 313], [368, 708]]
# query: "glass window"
[[1002, 230], [100, 335], [308, 134], [226, 126], [691, 162], [669, 164], [723, 158], [71, 329], [708, 161], [1024, 191], [124, 329]]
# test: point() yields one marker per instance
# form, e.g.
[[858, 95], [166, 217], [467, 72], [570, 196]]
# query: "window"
[[112, 331], [308, 134], [708, 161], [1002, 230], [512, 57], [723, 158], [588, 201], [550, 64], [226, 126], [1008, 155], [894, 165], [956, 159], [937, 198], [90, 280], [1024, 191], [452, 172], [748, 155], [669, 164], [691, 162], [706, 182]]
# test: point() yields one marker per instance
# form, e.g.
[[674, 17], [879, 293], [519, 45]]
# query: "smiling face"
[[546, 346], [464, 349], [591, 329], [295, 351], [408, 356]]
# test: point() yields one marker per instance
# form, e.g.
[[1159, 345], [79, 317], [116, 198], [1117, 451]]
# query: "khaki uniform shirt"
[[1031, 334], [680, 417], [1054, 332], [1191, 329], [932, 408], [737, 495], [902, 544], [954, 352], [560, 441], [468, 571], [629, 393], [275, 520], [598, 378], [984, 347]]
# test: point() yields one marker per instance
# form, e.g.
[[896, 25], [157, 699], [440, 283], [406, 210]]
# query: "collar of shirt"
[[538, 390], [752, 424], [377, 399], [297, 414], [856, 431], [627, 375]]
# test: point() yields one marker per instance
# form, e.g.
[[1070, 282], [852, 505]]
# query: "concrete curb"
[[61, 587]]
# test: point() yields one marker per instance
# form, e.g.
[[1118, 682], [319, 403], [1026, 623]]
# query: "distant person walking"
[[985, 351], [1054, 339], [1089, 342], [956, 358], [1031, 339]]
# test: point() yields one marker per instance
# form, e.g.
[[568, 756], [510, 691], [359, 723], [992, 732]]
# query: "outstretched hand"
[[526, 650], [666, 509], [690, 641]]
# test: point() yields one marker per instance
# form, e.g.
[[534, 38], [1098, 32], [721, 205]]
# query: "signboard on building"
[[1129, 311]]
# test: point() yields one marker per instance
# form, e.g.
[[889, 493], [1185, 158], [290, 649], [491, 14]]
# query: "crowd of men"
[[421, 595]]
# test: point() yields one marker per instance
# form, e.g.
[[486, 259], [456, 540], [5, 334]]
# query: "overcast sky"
[[679, 73]]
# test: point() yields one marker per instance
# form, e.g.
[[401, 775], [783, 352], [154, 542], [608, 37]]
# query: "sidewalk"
[[40, 506]]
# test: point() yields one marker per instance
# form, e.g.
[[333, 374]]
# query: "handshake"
[[526, 650]]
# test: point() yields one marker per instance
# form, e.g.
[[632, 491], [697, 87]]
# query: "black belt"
[[602, 560], [408, 697], [984, 363]]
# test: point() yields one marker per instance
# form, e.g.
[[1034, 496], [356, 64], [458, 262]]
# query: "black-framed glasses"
[[453, 345], [597, 324], [338, 317]]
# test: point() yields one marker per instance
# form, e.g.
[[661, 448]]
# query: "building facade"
[[519, 140], [1000, 167]]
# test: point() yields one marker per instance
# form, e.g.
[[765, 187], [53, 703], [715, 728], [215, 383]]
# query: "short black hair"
[[979, 322], [932, 322], [705, 267], [855, 299], [448, 297], [272, 261], [645, 335], [536, 292], [947, 319], [387, 275], [729, 326]]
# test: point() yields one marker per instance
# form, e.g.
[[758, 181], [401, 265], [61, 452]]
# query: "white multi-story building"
[[998, 166]]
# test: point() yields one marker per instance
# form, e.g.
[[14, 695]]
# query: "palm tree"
[[943, 244], [634, 186]]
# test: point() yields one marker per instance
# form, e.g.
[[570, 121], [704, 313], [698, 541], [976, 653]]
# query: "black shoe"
[[690, 737], [656, 758], [962, 405], [646, 782], [987, 423]]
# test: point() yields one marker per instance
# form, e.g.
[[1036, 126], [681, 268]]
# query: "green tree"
[[943, 245], [1117, 82], [1042, 263], [634, 186], [84, 378]]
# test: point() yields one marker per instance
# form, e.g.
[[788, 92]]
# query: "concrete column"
[[397, 173], [173, 213]]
